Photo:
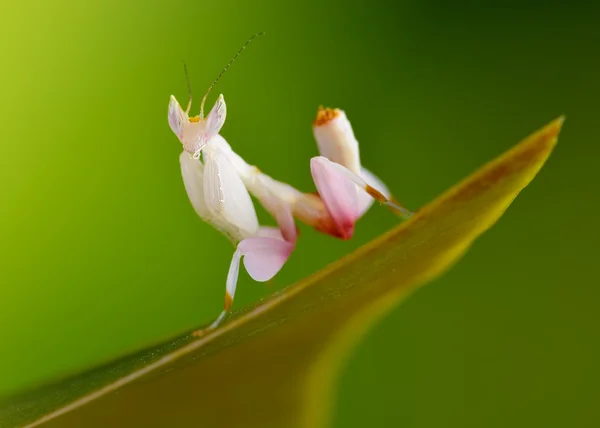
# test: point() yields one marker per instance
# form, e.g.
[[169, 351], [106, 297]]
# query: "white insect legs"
[[346, 188], [218, 184]]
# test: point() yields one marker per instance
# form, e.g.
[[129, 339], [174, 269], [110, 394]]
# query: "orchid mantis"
[[219, 182]]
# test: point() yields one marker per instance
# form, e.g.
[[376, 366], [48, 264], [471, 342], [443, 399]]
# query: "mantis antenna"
[[221, 74]]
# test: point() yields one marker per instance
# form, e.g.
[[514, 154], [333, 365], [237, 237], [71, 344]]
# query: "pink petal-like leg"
[[336, 185], [338, 193], [264, 256]]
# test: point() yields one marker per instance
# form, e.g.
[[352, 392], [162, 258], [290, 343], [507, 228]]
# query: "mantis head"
[[195, 132]]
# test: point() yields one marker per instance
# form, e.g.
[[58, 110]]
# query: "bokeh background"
[[101, 252]]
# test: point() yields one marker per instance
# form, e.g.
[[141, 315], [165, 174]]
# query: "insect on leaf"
[[275, 364]]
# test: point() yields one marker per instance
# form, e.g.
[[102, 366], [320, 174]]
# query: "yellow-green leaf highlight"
[[274, 365]]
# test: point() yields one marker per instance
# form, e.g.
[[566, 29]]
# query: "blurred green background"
[[101, 252]]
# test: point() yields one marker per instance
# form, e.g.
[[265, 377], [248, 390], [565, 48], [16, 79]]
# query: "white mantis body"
[[219, 183]]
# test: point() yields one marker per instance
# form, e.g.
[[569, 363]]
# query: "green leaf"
[[275, 364]]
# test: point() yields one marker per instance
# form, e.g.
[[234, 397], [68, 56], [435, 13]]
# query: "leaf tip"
[[540, 144], [550, 132]]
